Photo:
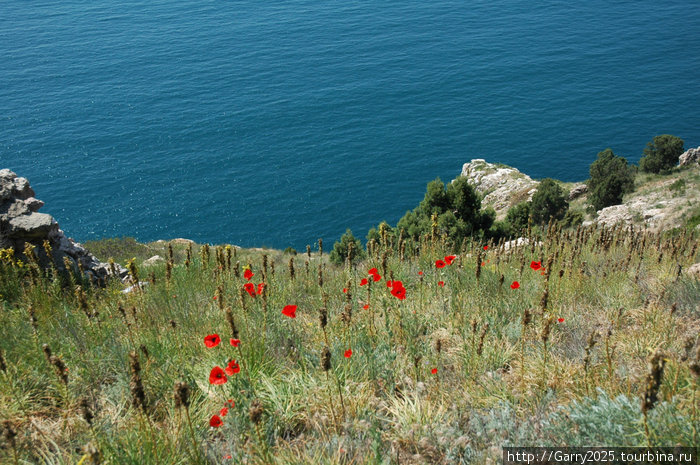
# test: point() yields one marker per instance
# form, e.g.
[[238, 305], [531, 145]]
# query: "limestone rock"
[[20, 223], [577, 191], [690, 156], [154, 260], [654, 207], [694, 270], [501, 186]]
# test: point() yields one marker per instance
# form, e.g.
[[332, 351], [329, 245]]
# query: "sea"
[[275, 123]]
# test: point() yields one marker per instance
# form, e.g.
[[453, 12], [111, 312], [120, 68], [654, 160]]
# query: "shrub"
[[677, 187], [517, 217], [661, 153], [548, 202], [340, 249], [611, 178], [572, 218], [458, 210]]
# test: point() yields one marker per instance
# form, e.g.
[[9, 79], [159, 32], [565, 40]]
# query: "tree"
[[458, 210], [548, 202], [661, 153], [611, 178], [517, 217], [341, 249]]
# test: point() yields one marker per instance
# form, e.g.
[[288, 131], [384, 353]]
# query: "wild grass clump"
[[425, 351]]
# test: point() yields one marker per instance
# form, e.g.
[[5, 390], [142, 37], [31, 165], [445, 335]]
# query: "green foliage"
[[393, 407], [290, 251], [341, 249], [661, 153], [677, 187], [611, 178], [517, 217], [458, 210], [572, 218], [120, 248], [548, 202]]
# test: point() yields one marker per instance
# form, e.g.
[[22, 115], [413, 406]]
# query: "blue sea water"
[[276, 123]]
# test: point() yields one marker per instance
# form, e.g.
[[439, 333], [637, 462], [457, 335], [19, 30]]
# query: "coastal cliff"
[[658, 202]]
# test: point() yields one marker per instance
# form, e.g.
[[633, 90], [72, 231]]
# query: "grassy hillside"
[[468, 362]]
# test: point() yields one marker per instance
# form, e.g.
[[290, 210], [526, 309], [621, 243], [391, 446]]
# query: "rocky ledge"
[[501, 186], [21, 223], [658, 204]]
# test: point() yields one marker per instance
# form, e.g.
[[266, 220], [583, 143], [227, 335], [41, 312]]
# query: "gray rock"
[[690, 156], [577, 191], [694, 270], [501, 186], [21, 224], [34, 204], [154, 260], [31, 226]]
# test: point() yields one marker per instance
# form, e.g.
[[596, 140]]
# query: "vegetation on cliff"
[[413, 355]]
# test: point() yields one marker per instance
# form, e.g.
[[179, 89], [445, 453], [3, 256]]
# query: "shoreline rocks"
[[501, 186], [21, 223]]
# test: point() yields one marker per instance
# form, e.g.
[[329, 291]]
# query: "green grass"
[[492, 387]]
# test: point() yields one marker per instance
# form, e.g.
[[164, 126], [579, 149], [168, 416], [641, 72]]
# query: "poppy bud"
[[326, 359], [255, 412]]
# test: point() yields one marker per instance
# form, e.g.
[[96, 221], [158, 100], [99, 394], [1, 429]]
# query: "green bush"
[[661, 153], [340, 249], [458, 210], [677, 187], [548, 202], [611, 178], [517, 217], [572, 218]]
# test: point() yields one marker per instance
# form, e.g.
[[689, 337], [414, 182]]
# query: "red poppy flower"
[[420, 273], [223, 411], [441, 283], [486, 247], [227, 457], [561, 320], [217, 376], [231, 403], [232, 368], [214, 297], [290, 311], [373, 271], [345, 290], [439, 264], [235, 342], [434, 371], [247, 274], [397, 290], [363, 282], [542, 273], [449, 259], [515, 285], [215, 421], [348, 353], [536, 265], [212, 340], [483, 263], [376, 277], [389, 283], [250, 288], [366, 306], [261, 287]]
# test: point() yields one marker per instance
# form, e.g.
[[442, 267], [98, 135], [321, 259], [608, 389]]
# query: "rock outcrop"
[[21, 223], [577, 191], [655, 206], [689, 157], [501, 186]]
